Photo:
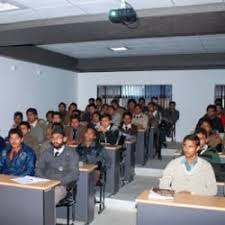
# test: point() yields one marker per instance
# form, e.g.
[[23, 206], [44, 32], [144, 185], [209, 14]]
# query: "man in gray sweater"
[[189, 173], [59, 162]]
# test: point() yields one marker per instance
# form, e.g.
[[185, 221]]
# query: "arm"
[[30, 167]]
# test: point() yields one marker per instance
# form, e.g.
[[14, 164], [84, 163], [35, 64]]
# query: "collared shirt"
[[59, 151], [203, 149], [34, 123], [138, 115], [189, 167], [126, 127]]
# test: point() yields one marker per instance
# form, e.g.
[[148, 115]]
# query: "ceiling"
[[76, 34]]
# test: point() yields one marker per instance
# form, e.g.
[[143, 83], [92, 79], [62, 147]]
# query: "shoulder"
[[175, 162], [204, 164], [27, 149], [71, 152]]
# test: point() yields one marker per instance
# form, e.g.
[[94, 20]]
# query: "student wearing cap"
[[59, 162]]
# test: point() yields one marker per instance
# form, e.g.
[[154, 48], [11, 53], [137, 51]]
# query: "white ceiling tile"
[[195, 2]]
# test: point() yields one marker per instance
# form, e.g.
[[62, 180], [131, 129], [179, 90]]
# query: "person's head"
[[98, 101], [57, 117], [207, 125], [62, 107], [91, 101], [219, 101], [72, 106], [32, 115], [106, 120], [57, 135], [96, 117], [151, 107], [191, 146], [15, 137], [115, 104], [76, 112], [202, 135], [90, 135], [172, 105], [92, 108], [137, 109], [18, 118], [111, 110], [154, 99], [141, 101], [75, 122], [127, 118], [104, 108], [24, 127], [49, 115], [211, 111], [219, 109], [131, 104]]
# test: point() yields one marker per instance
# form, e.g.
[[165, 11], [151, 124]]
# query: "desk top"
[[7, 181], [87, 168], [113, 147], [186, 200]]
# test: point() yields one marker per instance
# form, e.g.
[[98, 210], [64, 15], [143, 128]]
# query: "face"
[[17, 120], [72, 107], [75, 123], [142, 102], [89, 135], [62, 108], [57, 140], [115, 105], [190, 149], [105, 122], [211, 112], [172, 106], [127, 119], [203, 139], [137, 110], [49, 117], [219, 109], [15, 141], [92, 109], [207, 127], [98, 103], [95, 118], [31, 117], [24, 129], [131, 105], [91, 101], [151, 108], [110, 111], [56, 119], [105, 109]]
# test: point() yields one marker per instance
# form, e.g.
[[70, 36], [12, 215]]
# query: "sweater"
[[200, 180]]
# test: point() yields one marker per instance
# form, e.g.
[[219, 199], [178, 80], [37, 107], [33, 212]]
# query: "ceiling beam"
[[176, 21], [40, 56], [166, 62]]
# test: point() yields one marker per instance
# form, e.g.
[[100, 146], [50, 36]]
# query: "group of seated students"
[[46, 148]]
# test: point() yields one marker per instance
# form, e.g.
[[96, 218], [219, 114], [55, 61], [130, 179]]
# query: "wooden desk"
[[27, 204], [85, 206], [113, 173], [141, 150], [184, 209], [129, 171]]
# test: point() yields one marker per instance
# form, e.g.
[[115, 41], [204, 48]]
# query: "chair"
[[69, 202]]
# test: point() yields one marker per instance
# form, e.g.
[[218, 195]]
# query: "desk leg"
[[113, 173], [130, 162], [140, 149], [151, 148]]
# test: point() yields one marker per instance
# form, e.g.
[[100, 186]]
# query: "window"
[[125, 92], [220, 93]]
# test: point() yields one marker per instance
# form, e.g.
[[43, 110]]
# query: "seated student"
[[59, 162], [17, 118], [171, 114], [28, 139], [49, 115], [62, 110], [75, 133], [57, 117], [211, 115], [108, 133], [116, 117], [139, 118], [118, 108], [95, 121], [90, 109], [98, 103], [90, 151], [127, 128], [37, 129], [104, 109], [208, 153], [17, 159], [190, 173], [141, 102], [72, 107], [131, 105]]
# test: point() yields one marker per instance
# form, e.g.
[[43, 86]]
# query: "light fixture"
[[8, 6], [119, 49]]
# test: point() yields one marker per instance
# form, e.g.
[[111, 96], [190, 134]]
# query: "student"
[[116, 117], [131, 105], [220, 114], [28, 139], [2, 143], [62, 110], [190, 173], [49, 115], [59, 162], [75, 133], [208, 153], [91, 108], [17, 159], [71, 109], [37, 130], [92, 152], [108, 133], [118, 108], [95, 121], [127, 128], [211, 115], [141, 102], [139, 118], [104, 109], [17, 118], [171, 114], [98, 103], [57, 117]]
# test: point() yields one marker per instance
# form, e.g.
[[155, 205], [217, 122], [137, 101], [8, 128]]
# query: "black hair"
[[211, 107], [192, 137], [57, 114], [201, 131], [173, 102], [62, 104], [25, 123], [58, 128], [20, 114], [138, 105], [75, 117], [32, 110], [152, 103], [131, 100], [98, 113], [15, 131], [92, 105], [111, 106], [141, 99], [74, 104], [107, 116], [98, 99], [127, 114], [91, 99], [206, 120], [49, 112]]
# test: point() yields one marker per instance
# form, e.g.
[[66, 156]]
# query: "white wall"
[[26, 85], [193, 90]]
